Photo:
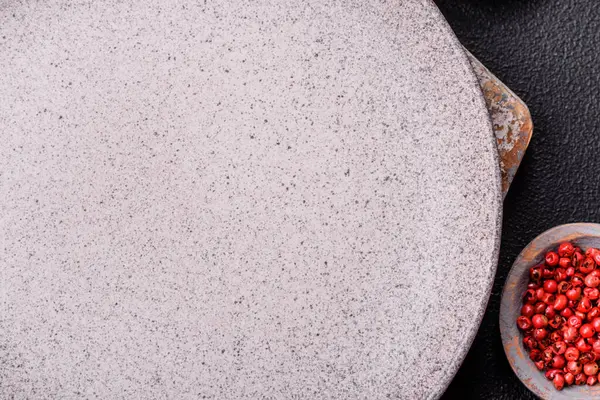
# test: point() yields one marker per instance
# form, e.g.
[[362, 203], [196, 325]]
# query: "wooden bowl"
[[583, 235]]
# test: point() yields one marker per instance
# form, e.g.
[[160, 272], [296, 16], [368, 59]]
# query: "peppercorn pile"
[[560, 317]]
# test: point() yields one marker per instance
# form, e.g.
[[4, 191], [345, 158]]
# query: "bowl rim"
[[511, 336]]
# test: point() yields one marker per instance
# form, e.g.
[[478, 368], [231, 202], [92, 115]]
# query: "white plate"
[[242, 199]]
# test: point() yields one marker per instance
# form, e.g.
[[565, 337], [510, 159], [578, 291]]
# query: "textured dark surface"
[[548, 52]]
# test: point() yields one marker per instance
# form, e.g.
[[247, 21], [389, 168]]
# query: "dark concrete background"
[[548, 52]]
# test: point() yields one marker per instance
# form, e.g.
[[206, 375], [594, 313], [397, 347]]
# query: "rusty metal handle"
[[511, 121]]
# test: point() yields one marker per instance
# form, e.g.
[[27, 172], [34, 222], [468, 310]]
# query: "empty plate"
[[241, 199]]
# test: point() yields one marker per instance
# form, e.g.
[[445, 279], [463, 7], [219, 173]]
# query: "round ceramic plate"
[[242, 199]]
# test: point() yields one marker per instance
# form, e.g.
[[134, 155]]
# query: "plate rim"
[[451, 369]]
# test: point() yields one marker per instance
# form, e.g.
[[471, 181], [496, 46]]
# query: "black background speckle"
[[548, 52]]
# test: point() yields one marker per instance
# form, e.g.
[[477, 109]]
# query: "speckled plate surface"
[[240, 199]]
